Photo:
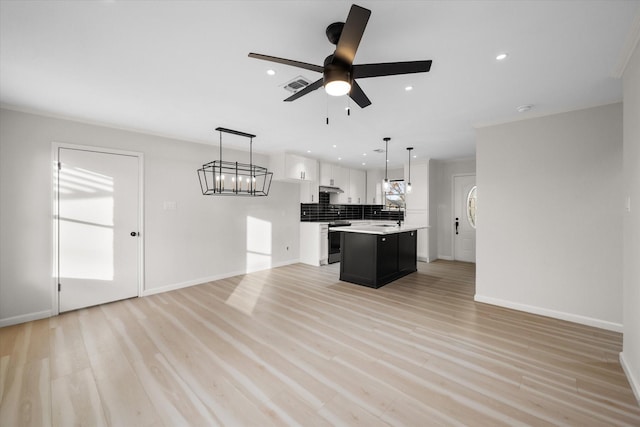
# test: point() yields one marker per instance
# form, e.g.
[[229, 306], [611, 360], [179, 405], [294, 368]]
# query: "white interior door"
[[464, 237], [98, 227]]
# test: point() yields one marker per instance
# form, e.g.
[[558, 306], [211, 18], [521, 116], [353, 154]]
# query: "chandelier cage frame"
[[225, 178]]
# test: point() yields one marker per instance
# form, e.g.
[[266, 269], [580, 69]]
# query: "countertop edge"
[[377, 229]]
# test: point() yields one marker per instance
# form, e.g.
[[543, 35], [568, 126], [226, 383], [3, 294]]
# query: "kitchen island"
[[374, 255]]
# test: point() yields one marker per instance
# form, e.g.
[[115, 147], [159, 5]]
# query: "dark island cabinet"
[[387, 265], [374, 260], [408, 247]]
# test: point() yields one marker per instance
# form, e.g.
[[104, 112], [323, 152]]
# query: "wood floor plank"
[[76, 401], [26, 399], [123, 398], [295, 346]]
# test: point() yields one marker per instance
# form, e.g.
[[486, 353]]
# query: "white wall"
[[442, 187], [204, 238], [549, 237], [630, 356]]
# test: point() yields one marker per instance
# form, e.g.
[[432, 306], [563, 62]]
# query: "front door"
[[464, 228], [98, 227]]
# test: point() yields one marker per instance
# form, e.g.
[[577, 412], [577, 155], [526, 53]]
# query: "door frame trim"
[[453, 208], [55, 155]]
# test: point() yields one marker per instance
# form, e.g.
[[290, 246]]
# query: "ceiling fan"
[[339, 74]]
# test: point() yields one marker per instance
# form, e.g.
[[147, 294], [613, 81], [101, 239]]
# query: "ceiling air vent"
[[296, 84], [378, 150]]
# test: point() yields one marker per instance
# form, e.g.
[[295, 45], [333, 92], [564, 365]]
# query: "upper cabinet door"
[[357, 186], [301, 168], [326, 174]]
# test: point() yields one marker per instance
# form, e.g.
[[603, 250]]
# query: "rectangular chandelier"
[[225, 178]]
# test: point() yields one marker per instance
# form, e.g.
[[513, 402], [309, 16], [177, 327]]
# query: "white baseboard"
[[23, 318], [575, 318], [633, 381], [445, 257], [202, 280]]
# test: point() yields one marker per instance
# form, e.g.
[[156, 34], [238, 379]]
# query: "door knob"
[[134, 234]]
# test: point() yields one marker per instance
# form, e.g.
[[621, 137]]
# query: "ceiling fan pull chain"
[[327, 98]]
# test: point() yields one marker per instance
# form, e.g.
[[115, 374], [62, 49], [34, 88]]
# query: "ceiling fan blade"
[[362, 71], [357, 94], [313, 86], [352, 33], [291, 62]]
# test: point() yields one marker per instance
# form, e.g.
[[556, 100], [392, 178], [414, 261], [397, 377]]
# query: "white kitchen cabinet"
[[309, 192], [357, 187], [374, 187], [333, 175], [326, 174], [287, 166], [298, 167], [352, 181], [314, 243]]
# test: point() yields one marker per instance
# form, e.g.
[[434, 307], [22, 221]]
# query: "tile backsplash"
[[325, 212]]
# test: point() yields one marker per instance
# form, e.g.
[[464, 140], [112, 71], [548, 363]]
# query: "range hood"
[[329, 189]]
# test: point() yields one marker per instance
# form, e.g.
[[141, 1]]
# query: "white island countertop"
[[381, 228]]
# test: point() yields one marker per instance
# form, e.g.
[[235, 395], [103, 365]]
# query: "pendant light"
[[224, 178], [385, 184], [409, 181]]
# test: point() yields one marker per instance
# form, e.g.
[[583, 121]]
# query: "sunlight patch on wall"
[[259, 244]]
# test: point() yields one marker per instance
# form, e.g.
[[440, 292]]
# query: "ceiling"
[[180, 69]]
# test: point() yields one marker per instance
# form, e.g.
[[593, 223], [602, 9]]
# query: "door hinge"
[[59, 287], [59, 165]]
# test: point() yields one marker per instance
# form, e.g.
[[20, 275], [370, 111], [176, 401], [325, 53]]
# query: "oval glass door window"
[[472, 198]]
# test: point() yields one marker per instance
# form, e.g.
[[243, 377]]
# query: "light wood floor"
[[294, 346]]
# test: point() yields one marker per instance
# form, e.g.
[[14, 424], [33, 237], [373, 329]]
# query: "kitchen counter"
[[374, 255], [382, 228]]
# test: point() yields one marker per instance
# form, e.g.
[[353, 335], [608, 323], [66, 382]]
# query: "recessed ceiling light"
[[271, 72], [339, 158], [364, 154], [408, 88], [334, 145], [308, 151], [364, 164], [415, 157], [524, 108], [502, 57]]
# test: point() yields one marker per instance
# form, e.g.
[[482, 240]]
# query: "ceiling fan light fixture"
[[337, 87], [336, 78]]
